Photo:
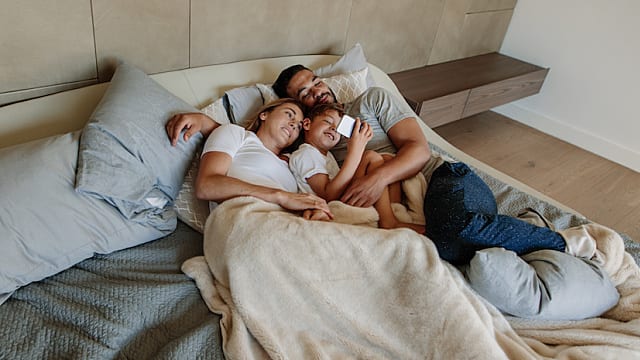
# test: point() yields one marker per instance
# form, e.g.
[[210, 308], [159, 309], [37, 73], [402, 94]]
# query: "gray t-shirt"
[[382, 110]]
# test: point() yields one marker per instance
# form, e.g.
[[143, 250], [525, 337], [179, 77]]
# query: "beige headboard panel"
[[50, 46]]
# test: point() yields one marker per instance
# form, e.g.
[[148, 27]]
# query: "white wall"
[[591, 96]]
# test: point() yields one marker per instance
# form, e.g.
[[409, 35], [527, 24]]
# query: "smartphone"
[[345, 127]]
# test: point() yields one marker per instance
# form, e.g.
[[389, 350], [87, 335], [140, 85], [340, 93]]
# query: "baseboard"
[[578, 137]]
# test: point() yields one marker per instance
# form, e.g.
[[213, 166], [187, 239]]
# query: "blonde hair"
[[255, 124]]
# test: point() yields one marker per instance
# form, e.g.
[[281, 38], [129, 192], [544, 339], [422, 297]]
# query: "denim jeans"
[[462, 217]]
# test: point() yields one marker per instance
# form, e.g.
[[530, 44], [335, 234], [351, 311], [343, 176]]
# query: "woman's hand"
[[191, 123], [300, 201]]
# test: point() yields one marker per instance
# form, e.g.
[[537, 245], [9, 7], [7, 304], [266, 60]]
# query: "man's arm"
[[191, 123], [413, 153]]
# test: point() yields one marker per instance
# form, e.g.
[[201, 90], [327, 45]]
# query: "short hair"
[[281, 83], [323, 108]]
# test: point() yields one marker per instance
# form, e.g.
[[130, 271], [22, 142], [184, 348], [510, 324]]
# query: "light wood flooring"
[[601, 190]]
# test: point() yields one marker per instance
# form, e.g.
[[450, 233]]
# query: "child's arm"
[[333, 189]]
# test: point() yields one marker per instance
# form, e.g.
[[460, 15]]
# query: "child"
[[317, 171]]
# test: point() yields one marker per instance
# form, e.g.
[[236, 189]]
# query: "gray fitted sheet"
[[131, 304]]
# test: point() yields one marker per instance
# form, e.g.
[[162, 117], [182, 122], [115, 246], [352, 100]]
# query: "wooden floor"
[[601, 190]]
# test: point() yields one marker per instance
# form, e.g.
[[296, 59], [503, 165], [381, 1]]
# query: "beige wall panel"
[[396, 35], [446, 45], [490, 5], [226, 31], [483, 32], [151, 34], [462, 34], [45, 43]]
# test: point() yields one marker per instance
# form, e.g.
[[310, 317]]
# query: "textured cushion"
[[191, 210], [544, 284], [125, 156], [46, 226], [348, 86]]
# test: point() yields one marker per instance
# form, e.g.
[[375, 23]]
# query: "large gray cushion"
[[46, 225], [125, 156], [544, 284]]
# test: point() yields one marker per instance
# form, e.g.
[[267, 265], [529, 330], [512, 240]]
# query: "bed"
[[127, 293]]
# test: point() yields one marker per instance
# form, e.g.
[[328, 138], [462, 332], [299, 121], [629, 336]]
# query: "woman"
[[249, 162]]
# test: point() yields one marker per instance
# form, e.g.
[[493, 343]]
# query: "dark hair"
[[281, 83], [323, 108]]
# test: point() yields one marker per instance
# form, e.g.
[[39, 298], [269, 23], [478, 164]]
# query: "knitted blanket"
[[290, 288]]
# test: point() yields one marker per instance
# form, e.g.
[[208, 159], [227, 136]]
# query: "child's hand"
[[361, 135]]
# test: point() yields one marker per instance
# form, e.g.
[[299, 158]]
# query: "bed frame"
[[167, 318]]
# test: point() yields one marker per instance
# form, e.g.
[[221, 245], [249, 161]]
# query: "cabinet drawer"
[[443, 110], [489, 96]]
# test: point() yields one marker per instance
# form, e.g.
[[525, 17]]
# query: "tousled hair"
[[323, 108]]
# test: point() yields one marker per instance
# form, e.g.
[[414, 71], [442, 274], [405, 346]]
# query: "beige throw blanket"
[[295, 289]]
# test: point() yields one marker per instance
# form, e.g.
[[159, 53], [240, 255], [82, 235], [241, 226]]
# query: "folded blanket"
[[290, 288]]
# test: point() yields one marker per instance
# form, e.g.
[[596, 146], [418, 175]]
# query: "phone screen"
[[346, 125]]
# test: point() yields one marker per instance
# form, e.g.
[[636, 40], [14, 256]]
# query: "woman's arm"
[[191, 123], [213, 184]]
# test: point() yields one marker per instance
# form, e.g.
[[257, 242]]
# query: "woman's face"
[[282, 125]]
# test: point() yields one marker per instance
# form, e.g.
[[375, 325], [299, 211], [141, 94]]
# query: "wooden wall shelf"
[[445, 92]]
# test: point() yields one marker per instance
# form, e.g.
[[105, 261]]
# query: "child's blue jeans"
[[462, 217]]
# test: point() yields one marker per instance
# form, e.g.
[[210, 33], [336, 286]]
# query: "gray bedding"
[[131, 304], [137, 304]]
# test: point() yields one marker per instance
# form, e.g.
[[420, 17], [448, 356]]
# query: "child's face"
[[321, 130]]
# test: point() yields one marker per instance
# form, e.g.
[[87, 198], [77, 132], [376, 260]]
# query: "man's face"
[[309, 89]]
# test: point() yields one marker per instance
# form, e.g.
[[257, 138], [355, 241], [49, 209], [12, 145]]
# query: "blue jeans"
[[462, 217]]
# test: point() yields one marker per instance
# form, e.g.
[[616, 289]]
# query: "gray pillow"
[[46, 225], [544, 284], [125, 156]]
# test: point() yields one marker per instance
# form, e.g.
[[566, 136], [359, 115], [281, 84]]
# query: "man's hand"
[[364, 191], [191, 123]]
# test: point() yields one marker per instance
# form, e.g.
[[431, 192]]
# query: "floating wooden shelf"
[[446, 92]]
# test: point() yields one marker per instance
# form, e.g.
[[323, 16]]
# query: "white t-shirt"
[[251, 160], [308, 161]]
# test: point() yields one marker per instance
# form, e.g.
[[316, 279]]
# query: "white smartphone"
[[346, 125]]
